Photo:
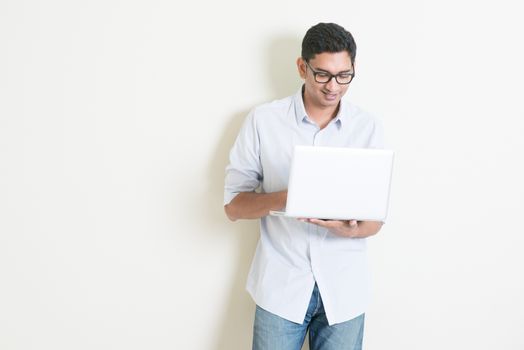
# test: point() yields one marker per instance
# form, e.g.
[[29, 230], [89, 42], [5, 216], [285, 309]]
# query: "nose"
[[332, 85]]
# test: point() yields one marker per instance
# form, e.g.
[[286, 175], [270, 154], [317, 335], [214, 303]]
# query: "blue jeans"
[[272, 332]]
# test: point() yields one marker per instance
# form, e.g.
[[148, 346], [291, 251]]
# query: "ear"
[[301, 66]]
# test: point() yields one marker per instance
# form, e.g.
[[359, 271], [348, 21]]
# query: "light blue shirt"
[[291, 255]]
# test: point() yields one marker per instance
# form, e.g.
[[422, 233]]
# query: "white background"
[[116, 118]]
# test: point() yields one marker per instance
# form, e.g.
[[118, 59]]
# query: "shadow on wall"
[[236, 327]]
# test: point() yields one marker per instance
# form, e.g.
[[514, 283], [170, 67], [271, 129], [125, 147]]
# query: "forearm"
[[252, 205], [348, 228], [367, 228]]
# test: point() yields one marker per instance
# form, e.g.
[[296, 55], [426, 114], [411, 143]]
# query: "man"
[[306, 274]]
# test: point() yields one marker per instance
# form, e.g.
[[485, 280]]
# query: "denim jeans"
[[272, 332]]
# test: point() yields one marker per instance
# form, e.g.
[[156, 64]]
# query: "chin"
[[330, 103]]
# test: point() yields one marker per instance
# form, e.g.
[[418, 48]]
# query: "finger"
[[320, 222], [352, 223], [327, 223]]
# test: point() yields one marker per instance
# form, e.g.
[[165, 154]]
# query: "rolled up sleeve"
[[244, 171]]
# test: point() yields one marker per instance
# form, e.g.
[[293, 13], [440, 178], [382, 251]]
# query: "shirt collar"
[[300, 110], [343, 113]]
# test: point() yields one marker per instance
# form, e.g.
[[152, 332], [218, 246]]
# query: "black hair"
[[328, 37]]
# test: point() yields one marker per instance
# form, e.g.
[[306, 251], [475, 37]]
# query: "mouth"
[[330, 96]]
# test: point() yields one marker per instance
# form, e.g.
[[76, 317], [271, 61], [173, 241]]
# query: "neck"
[[319, 114]]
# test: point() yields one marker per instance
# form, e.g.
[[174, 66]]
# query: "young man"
[[309, 274]]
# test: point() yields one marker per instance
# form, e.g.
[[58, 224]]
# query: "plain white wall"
[[116, 118]]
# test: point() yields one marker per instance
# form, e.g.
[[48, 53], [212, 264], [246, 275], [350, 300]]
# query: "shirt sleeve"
[[244, 171]]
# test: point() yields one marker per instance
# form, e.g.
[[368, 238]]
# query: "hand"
[[343, 228]]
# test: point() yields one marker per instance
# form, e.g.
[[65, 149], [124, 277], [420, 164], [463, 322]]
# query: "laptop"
[[336, 183]]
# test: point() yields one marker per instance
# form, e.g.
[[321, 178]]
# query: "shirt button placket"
[[317, 138], [313, 250], [314, 230]]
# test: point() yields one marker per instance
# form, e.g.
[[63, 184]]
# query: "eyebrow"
[[341, 72]]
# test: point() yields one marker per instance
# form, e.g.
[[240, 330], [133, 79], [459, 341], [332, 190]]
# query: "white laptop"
[[339, 183]]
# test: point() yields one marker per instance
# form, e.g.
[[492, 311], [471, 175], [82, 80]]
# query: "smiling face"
[[324, 95]]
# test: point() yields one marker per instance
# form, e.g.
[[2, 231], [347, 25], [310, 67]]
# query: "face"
[[325, 95]]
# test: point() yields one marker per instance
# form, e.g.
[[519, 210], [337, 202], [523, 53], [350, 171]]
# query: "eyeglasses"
[[325, 77]]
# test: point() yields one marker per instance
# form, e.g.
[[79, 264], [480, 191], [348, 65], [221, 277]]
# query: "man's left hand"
[[343, 228]]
